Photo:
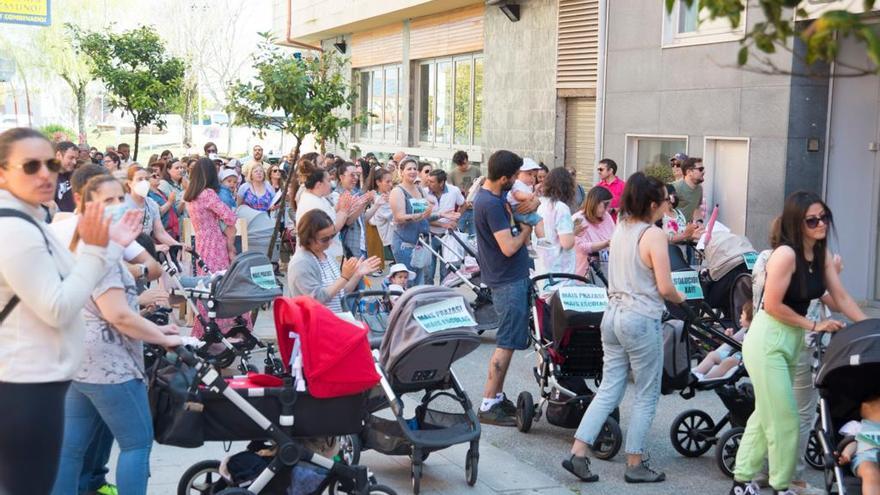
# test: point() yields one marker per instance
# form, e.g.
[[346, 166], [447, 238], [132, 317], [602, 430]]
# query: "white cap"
[[529, 164], [214, 157], [400, 267], [227, 173]]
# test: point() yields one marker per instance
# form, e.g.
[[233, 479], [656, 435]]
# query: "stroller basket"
[[386, 435], [581, 353], [739, 401]]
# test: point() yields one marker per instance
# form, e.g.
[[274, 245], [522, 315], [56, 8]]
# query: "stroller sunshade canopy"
[[248, 283], [849, 367]]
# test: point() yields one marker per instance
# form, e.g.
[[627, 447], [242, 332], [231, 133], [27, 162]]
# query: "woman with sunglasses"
[[312, 272], [166, 203], [42, 294], [597, 227], [110, 384], [276, 178], [799, 270]]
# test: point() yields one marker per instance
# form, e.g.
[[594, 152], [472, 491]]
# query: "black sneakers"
[[498, 415]]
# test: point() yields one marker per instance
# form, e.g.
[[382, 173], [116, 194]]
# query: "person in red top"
[[609, 180]]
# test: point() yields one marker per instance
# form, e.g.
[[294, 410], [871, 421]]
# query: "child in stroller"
[[722, 361], [399, 277], [862, 445]]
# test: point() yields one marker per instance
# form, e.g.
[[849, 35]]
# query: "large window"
[[379, 97], [643, 152], [687, 25], [450, 101]]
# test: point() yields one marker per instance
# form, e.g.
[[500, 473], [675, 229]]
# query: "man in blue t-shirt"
[[504, 268]]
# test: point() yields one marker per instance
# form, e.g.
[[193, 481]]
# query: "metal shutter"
[[580, 138], [449, 33], [577, 44]]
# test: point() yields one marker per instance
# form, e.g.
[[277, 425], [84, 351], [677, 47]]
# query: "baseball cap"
[[679, 156], [226, 173], [214, 157], [529, 164]]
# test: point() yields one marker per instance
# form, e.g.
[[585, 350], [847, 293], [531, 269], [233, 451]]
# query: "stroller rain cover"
[[405, 331], [725, 252], [336, 354], [248, 283]]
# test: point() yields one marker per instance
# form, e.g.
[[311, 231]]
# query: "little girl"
[[720, 361]]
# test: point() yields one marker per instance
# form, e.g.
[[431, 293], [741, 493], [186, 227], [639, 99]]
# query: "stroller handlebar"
[[550, 276], [353, 296], [187, 356]]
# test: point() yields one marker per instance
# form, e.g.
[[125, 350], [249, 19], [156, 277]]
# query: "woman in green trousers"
[[800, 269]]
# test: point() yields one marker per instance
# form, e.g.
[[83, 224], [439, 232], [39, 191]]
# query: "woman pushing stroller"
[[799, 270]]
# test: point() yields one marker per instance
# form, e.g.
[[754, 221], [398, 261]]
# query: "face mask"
[[141, 189], [115, 212], [333, 184]]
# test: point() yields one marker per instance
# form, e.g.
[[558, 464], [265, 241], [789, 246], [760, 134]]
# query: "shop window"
[[643, 152], [688, 25], [379, 97], [450, 101]]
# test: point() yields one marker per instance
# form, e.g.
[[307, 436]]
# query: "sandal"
[[580, 467]]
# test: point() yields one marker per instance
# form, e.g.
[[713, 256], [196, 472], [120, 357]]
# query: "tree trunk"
[[80, 94], [283, 203], [137, 139], [188, 93]]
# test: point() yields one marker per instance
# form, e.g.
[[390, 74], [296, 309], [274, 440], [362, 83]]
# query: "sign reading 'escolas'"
[[583, 299]]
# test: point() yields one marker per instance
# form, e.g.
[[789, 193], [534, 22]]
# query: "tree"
[[294, 94], [779, 26], [141, 78], [61, 54]]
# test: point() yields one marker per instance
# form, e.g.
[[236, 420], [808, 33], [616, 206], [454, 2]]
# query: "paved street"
[[510, 461]]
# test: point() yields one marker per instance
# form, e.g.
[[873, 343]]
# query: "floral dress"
[[206, 212]]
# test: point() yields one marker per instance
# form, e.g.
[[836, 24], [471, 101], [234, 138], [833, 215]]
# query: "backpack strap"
[[10, 212]]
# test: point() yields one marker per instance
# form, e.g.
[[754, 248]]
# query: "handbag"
[[175, 404], [421, 257]]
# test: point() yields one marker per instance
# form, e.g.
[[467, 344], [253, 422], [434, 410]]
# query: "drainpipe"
[[600, 80], [289, 39]]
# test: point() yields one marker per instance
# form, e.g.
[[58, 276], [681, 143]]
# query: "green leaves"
[[293, 94], [141, 78]]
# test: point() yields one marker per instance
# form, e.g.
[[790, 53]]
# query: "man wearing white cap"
[[228, 184], [524, 190]]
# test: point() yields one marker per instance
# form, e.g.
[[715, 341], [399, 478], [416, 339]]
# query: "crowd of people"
[[81, 275]]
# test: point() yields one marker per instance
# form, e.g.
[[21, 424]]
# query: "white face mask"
[[141, 189]]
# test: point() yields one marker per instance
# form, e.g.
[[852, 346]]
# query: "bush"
[[57, 133], [662, 172]]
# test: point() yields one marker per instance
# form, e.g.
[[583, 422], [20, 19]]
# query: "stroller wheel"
[[814, 456], [692, 433], [470, 467], [202, 478], [525, 412], [235, 491], [725, 451], [381, 490], [416, 475], [350, 447], [610, 438]]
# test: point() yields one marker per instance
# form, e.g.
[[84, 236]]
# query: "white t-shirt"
[[557, 221], [519, 186], [449, 200], [308, 202], [65, 227]]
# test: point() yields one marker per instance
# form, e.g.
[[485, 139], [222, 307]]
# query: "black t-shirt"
[[491, 215], [64, 194]]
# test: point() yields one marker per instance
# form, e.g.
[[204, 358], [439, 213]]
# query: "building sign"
[[34, 12]]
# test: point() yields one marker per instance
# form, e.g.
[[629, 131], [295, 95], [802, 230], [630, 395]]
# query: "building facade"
[[443, 75]]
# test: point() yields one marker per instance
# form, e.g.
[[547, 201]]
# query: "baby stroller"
[[430, 328], [246, 285], [726, 275], [463, 273], [568, 342], [324, 394], [852, 356]]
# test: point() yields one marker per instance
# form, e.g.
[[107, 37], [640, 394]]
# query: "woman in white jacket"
[[42, 294]]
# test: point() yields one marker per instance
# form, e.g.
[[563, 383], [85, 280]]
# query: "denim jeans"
[[403, 254], [94, 470], [629, 341], [432, 270], [466, 222], [126, 411], [511, 305]]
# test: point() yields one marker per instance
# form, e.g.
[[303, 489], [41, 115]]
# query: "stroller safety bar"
[[693, 319], [351, 297], [427, 245]]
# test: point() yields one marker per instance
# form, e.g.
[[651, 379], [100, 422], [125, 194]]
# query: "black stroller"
[[568, 343], [852, 356], [248, 284], [726, 275], [430, 328], [461, 273]]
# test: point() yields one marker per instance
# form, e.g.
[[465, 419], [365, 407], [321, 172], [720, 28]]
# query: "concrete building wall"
[[697, 91], [519, 92]]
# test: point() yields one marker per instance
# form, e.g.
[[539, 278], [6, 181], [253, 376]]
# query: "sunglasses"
[[31, 167], [676, 165], [154, 176], [700, 168], [813, 222], [600, 169], [275, 170]]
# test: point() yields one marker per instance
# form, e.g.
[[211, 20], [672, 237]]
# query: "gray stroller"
[[429, 329]]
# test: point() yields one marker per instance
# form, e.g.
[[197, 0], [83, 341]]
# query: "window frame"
[[671, 38], [359, 134], [631, 148], [453, 60]]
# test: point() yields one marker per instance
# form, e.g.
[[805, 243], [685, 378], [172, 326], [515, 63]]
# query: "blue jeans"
[[466, 222], [403, 254], [94, 470], [629, 341], [511, 302], [528, 218], [126, 411]]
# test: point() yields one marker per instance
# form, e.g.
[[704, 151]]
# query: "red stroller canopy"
[[336, 354]]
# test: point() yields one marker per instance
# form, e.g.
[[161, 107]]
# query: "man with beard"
[[504, 263], [688, 189], [66, 153]]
